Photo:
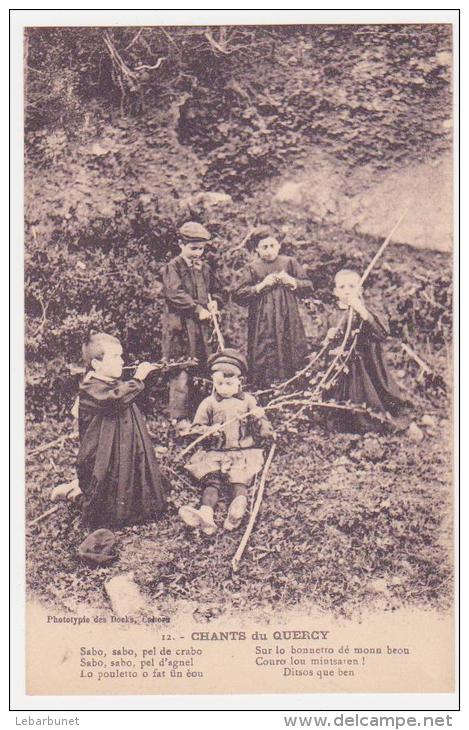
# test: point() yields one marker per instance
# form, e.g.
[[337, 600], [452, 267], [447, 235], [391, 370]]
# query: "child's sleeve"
[[304, 285], [204, 414], [244, 290], [333, 323], [375, 326], [261, 422], [114, 395], [174, 293]]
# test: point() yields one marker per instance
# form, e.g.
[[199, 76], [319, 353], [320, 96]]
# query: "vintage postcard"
[[238, 277]]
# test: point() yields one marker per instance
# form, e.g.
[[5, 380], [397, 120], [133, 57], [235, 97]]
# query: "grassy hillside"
[[126, 130]]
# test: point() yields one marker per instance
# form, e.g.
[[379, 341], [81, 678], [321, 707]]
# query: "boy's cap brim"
[[226, 368], [193, 232], [228, 357], [193, 240]]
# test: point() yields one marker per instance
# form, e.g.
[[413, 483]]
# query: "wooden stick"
[[311, 362], [365, 275], [260, 492], [340, 352], [218, 427], [189, 363], [245, 239], [216, 327], [57, 442], [254, 492], [353, 408], [45, 514], [411, 353], [381, 249], [373, 261]]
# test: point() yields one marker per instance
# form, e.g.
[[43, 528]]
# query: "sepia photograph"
[[238, 288]]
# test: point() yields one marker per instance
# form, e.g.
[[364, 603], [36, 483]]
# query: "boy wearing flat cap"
[[234, 458], [188, 283]]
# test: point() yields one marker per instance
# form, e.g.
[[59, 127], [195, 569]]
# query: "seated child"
[[116, 464], [188, 283], [365, 379], [270, 287], [235, 459]]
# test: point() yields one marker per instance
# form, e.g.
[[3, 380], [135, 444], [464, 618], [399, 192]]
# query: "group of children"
[[117, 469]]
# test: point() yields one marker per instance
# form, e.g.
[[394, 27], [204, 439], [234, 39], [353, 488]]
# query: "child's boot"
[[189, 515], [236, 512], [207, 523], [69, 490], [202, 518]]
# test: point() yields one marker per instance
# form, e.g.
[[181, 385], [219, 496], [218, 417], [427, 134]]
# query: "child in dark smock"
[[270, 287], [192, 294], [234, 458], [366, 378], [116, 465]]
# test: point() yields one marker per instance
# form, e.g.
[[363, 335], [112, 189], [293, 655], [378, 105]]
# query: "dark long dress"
[[277, 343], [367, 379], [116, 465]]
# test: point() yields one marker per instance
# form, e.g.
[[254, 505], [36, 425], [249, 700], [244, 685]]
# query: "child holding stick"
[[192, 297], [270, 287], [361, 375], [234, 458], [116, 465]]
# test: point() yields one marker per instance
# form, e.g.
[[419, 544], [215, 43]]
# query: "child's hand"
[[331, 333], [213, 306], [359, 307], [286, 279], [214, 433], [143, 369], [269, 280], [198, 429], [191, 432], [258, 412], [204, 314], [268, 436]]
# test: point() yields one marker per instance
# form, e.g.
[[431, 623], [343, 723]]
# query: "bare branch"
[[45, 514], [56, 442], [217, 46], [135, 39], [151, 68]]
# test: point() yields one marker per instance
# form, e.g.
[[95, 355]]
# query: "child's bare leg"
[[237, 507], [212, 486], [203, 517], [239, 489]]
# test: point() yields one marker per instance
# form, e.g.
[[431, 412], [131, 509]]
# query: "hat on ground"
[[98, 547], [192, 231], [228, 360]]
